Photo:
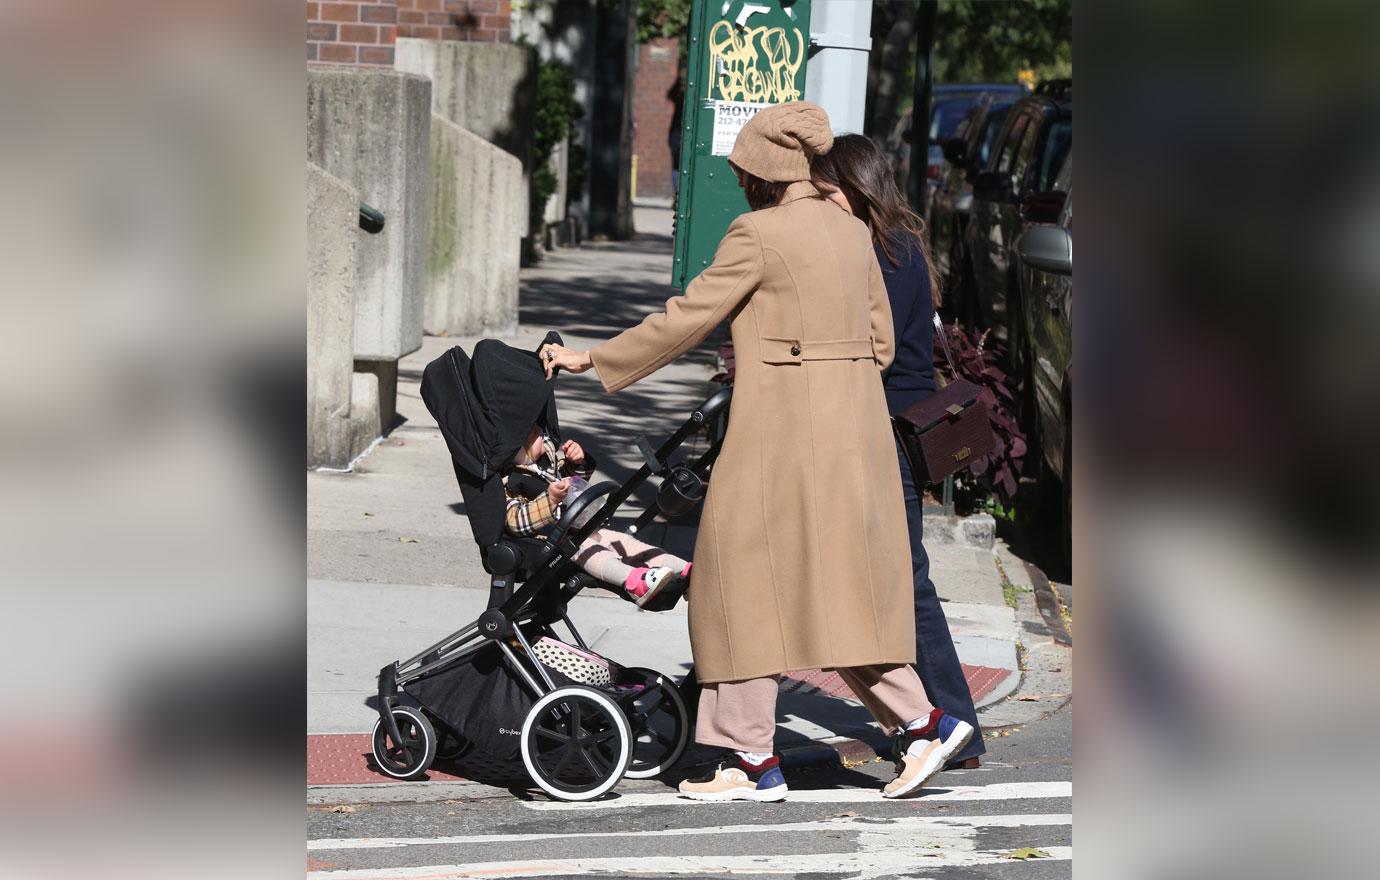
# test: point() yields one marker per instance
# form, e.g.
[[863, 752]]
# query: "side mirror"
[[1043, 207], [956, 151], [1047, 247], [992, 186]]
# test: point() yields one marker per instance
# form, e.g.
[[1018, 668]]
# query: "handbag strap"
[[944, 341]]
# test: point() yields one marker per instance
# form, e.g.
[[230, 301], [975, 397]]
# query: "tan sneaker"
[[736, 780], [926, 752]]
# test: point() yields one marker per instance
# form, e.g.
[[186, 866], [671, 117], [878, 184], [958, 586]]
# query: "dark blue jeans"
[[935, 657]]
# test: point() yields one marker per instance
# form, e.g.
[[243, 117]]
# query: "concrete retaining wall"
[[371, 128], [490, 89], [332, 228], [474, 240]]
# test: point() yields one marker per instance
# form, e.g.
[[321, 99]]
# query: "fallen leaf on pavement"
[[367, 513], [343, 808], [1027, 852], [407, 540], [844, 815], [1029, 698], [850, 763]]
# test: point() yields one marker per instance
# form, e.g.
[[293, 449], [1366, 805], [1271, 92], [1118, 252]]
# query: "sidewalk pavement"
[[392, 566]]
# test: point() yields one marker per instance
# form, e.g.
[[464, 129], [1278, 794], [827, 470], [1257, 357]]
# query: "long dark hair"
[[857, 167]]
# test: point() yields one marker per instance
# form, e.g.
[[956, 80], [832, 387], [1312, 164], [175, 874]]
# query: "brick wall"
[[351, 31], [652, 116], [480, 21], [363, 31]]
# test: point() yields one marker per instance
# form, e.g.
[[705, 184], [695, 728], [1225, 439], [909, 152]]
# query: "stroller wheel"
[[576, 743], [411, 757], [660, 723]]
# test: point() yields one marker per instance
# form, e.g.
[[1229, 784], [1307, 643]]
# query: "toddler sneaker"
[[660, 588], [921, 753], [734, 779]]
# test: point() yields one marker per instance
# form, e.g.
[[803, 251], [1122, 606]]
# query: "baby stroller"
[[505, 684]]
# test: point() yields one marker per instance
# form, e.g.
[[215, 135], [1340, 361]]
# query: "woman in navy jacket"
[[856, 176]]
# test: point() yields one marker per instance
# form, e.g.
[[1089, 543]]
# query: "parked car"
[[1046, 283], [1014, 190], [965, 154], [949, 104]]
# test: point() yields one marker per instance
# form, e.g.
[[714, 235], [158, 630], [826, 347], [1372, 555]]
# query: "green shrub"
[[556, 112]]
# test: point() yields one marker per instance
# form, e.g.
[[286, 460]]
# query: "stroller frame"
[[534, 607]]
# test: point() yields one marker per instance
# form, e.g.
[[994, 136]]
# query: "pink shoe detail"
[[636, 582]]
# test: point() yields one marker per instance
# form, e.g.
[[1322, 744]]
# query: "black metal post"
[[925, 15]]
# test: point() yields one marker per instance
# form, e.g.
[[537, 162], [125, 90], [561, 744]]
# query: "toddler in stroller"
[[506, 685], [543, 479]]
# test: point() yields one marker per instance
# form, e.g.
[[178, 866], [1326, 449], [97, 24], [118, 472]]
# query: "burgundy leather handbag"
[[948, 430]]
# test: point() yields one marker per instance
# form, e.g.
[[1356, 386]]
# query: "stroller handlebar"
[[577, 508], [712, 407]]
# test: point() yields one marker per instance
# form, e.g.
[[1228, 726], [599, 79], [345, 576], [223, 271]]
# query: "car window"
[[990, 130], [1007, 151], [1026, 151], [947, 115], [1058, 142], [964, 128]]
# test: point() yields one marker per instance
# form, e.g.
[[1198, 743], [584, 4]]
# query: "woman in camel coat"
[[801, 559]]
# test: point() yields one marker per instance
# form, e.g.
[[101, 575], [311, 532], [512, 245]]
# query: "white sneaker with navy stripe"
[[922, 753]]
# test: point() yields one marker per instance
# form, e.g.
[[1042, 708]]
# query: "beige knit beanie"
[[778, 142]]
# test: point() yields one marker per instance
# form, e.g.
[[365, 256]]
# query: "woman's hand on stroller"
[[573, 452], [555, 357], [558, 490]]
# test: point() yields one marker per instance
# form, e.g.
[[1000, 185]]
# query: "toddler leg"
[[641, 553], [598, 559]]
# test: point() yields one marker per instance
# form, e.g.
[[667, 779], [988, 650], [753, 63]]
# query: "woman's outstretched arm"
[[687, 320]]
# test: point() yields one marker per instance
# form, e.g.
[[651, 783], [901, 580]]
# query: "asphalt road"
[[836, 824]]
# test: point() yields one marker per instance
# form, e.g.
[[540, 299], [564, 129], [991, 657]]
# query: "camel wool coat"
[[802, 558]]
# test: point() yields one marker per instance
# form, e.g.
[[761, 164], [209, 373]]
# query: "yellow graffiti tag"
[[754, 64]]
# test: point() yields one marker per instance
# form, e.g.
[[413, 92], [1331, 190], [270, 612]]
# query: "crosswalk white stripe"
[[928, 825], [996, 791], [865, 865]]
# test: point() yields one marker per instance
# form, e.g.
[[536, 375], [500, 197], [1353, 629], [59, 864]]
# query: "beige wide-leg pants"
[[741, 715]]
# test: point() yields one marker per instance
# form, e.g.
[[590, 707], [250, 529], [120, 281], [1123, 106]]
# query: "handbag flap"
[[945, 403]]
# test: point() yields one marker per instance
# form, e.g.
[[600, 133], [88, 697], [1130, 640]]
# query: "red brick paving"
[[345, 759]]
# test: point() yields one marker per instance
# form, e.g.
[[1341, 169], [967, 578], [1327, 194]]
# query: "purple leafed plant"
[[982, 360]]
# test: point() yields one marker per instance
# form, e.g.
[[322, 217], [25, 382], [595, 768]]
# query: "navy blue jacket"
[[910, 378]]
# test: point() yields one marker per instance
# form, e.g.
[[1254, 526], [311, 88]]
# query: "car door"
[[1051, 324], [985, 240], [1008, 228]]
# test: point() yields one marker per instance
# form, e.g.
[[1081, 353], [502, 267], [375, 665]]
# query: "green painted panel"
[[744, 54]]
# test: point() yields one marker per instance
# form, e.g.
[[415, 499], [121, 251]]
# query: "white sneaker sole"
[[765, 795], [646, 598], [936, 761]]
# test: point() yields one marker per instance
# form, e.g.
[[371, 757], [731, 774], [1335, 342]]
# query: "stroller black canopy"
[[485, 406]]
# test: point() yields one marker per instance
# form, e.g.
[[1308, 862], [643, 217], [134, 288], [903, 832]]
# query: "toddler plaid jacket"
[[526, 518]]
